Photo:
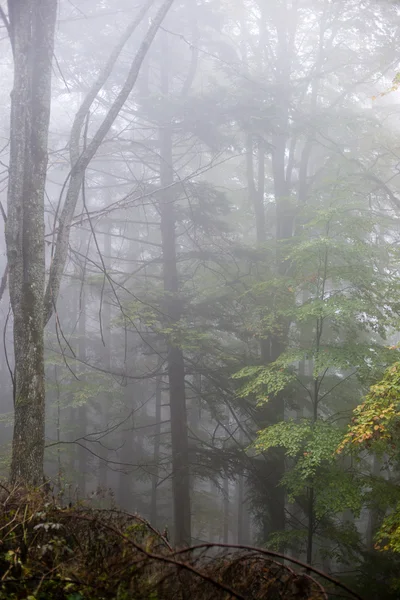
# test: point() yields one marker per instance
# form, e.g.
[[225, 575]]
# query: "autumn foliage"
[[377, 419]]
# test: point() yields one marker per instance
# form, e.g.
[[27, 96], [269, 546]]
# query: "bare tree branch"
[[3, 283], [81, 161], [3, 17]]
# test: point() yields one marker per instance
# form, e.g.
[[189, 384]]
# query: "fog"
[[231, 284]]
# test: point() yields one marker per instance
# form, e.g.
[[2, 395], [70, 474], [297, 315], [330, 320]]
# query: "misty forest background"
[[232, 287]]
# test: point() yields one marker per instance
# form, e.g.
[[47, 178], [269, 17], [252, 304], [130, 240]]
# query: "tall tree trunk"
[[285, 27], [256, 193], [156, 454], [373, 512], [173, 311], [240, 499], [125, 479], [225, 508], [82, 410], [32, 26], [107, 400], [270, 348]]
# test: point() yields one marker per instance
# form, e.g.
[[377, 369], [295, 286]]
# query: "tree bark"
[[271, 348], [275, 408], [32, 27], [240, 501], [225, 511], [83, 409], [256, 193], [156, 455], [125, 491], [106, 400], [173, 311], [373, 513]]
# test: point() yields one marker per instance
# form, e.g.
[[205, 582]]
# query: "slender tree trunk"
[[173, 310], [311, 491], [59, 477], [270, 348], [156, 455], [125, 479], [310, 529], [81, 411], [243, 524], [373, 513], [284, 231], [240, 498], [32, 26], [225, 508], [106, 401], [256, 193]]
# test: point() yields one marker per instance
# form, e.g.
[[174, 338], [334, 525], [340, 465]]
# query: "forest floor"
[[82, 553]]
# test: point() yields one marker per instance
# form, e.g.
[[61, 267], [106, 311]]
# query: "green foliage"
[[388, 536], [330, 312], [338, 491], [263, 381], [313, 446], [313, 443], [289, 435], [377, 576], [375, 426]]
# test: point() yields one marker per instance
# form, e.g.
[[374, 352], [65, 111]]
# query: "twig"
[[276, 555]]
